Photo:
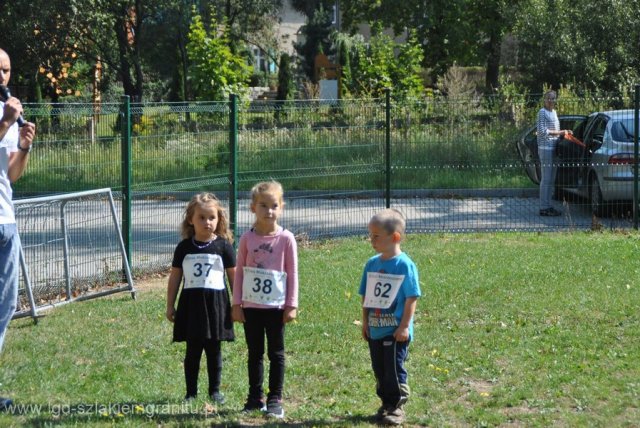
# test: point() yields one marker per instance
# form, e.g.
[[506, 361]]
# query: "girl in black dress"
[[203, 316]]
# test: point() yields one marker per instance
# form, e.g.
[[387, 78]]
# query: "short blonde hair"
[[269, 187], [391, 220]]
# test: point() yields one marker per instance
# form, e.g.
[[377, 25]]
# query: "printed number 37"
[[199, 270], [265, 286]]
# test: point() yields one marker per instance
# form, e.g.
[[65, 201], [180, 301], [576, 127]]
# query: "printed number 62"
[[377, 291]]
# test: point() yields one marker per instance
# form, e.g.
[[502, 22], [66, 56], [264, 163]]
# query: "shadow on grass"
[[200, 414]]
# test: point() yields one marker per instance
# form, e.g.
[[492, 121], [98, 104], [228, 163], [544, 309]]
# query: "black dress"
[[204, 310]]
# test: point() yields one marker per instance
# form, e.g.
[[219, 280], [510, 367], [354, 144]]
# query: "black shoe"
[[550, 212], [5, 404], [274, 408], [189, 397], [217, 398], [254, 404]]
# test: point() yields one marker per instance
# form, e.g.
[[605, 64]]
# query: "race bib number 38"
[[382, 289], [203, 271], [264, 286]]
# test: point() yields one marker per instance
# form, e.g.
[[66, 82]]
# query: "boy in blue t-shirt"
[[390, 290]]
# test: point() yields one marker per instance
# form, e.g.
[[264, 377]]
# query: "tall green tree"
[[442, 27], [216, 72], [40, 41], [383, 64], [592, 44], [316, 39], [492, 21]]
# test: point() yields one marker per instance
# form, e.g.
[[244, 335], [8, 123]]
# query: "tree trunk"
[[492, 75], [128, 54]]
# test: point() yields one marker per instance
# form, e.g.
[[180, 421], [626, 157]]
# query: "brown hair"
[[222, 229]]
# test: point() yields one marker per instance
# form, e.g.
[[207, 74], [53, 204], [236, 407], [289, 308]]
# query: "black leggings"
[[192, 365], [258, 324]]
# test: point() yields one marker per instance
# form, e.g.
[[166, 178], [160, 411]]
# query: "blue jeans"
[[9, 275], [548, 170]]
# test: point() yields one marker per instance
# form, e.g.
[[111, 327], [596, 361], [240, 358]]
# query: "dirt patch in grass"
[[151, 282]]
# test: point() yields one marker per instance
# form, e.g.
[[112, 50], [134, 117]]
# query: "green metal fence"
[[449, 165]]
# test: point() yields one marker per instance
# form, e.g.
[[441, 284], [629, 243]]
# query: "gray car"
[[597, 164]]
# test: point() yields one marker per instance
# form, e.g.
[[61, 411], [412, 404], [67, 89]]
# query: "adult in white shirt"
[[548, 133], [15, 145]]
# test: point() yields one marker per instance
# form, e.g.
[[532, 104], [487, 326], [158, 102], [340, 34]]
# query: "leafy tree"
[[377, 67], [216, 72], [491, 21], [316, 33], [441, 27], [576, 48], [41, 45], [309, 7], [285, 78], [346, 47]]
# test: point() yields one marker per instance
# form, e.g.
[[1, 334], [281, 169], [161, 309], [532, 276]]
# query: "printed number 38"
[[382, 290], [265, 286]]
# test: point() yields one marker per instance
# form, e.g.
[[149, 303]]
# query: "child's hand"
[[365, 331], [171, 314], [237, 314], [401, 334], [289, 314]]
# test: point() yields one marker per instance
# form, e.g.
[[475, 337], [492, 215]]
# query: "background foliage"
[[56, 45]]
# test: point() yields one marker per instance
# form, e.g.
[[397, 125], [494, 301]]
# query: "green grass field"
[[512, 329]]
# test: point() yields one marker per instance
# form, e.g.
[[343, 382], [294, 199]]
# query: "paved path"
[[94, 246]]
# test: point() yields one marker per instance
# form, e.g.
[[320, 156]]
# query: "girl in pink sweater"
[[265, 294]]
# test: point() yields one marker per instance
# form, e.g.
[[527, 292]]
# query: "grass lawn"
[[512, 329]]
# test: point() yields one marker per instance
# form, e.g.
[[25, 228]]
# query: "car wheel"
[[598, 206]]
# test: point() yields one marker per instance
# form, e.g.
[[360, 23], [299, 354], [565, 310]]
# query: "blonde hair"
[[269, 187], [199, 200], [391, 220]]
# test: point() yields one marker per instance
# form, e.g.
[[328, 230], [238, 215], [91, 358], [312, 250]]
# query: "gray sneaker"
[[274, 408], [217, 398], [394, 416], [381, 413]]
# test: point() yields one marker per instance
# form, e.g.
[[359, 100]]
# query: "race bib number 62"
[[264, 286], [382, 289]]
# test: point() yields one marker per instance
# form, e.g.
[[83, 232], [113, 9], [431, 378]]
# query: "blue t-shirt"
[[384, 322]]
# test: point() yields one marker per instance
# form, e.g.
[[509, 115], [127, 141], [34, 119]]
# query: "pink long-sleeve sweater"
[[277, 252]]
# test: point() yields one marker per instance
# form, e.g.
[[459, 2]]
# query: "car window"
[[596, 131], [570, 123], [531, 135], [622, 130], [578, 131]]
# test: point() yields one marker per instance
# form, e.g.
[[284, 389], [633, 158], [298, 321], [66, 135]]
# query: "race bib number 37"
[[203, 271], [264, 286], [382, 289]]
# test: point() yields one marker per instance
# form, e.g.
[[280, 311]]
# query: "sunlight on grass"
[[522, 329]]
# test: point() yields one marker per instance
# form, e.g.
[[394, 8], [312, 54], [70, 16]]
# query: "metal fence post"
[[635, 157], [387, 142], [233, 165], [125, 115]]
